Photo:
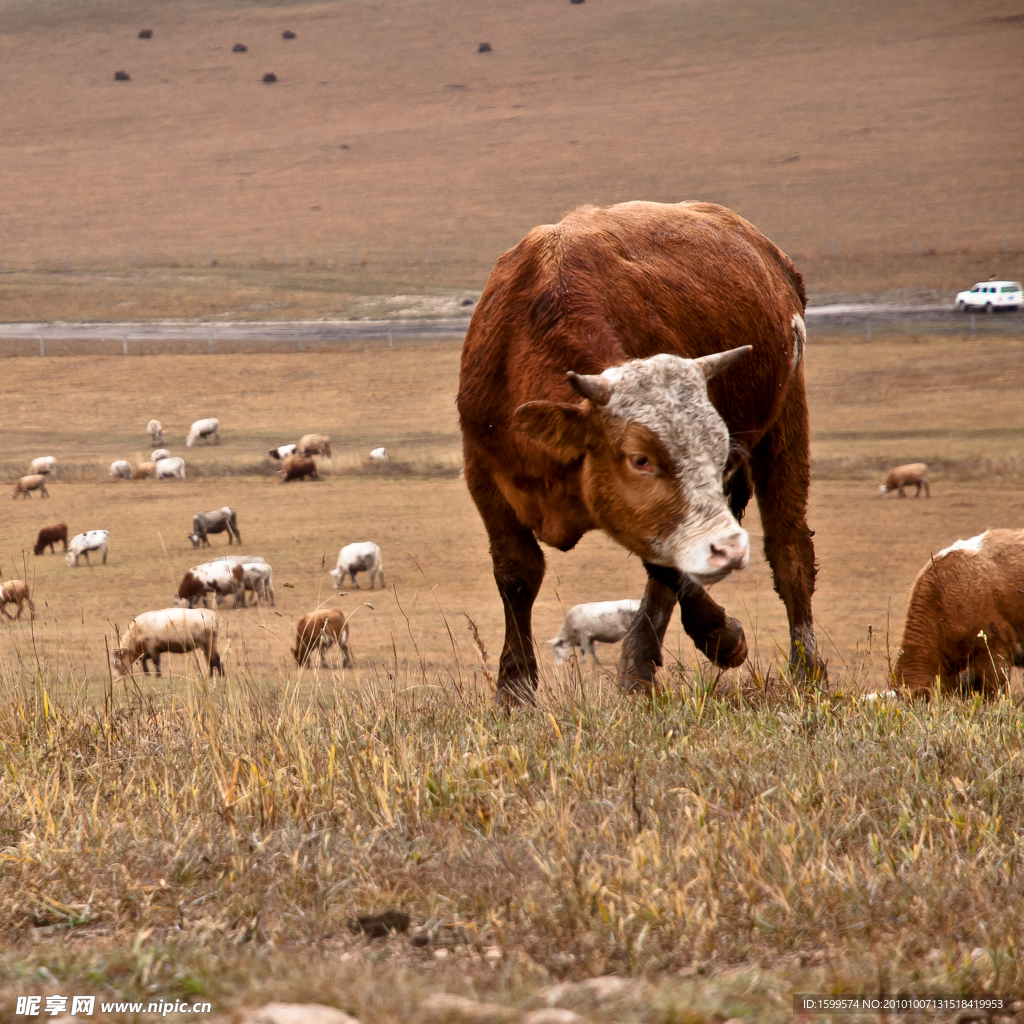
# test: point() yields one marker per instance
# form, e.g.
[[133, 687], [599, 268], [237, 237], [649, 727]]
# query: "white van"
[[992, 295]]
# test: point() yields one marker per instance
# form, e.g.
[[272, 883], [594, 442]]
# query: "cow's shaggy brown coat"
[[295, 467], [602, 287], [965, 617]]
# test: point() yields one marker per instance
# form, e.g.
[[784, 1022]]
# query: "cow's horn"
[[715, 363], [589, 385]]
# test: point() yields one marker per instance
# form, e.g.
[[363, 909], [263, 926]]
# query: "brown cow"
[[906, 476], [634, 308], [49, 535], [295, 467], [965, 617], [16, 592], [27, 484], [319, 630], [144, 471]]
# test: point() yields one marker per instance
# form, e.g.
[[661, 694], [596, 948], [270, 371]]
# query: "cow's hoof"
[[725, 646]]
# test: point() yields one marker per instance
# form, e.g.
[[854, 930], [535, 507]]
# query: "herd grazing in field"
[[606, 385]]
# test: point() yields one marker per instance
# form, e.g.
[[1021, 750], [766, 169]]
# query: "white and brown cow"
[[638, 369], [27, 484], [169, 630], [16, 592], [318, 631]]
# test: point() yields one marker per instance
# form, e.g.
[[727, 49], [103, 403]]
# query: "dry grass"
[[817, 121], [215, 842]]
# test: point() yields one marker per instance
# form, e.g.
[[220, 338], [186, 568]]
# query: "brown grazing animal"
[[168, 631], [905, 476], [965, 617], [144, 471], [49, 535], [319, 630], [27, 484], [634, 309], [295, 467], [16, 592]]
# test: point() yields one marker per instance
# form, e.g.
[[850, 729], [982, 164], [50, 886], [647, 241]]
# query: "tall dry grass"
[[217, 838]]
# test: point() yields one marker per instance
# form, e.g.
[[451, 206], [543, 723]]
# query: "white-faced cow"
[[156, 432], [220, 520], [170, 469], [606, 622], [282, 451], [121, 469], [359, 557], [27, 484], [639, 369], [83, 543], [203, 430]]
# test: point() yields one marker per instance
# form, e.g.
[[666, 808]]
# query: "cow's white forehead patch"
[[974, 544], [669, 395]]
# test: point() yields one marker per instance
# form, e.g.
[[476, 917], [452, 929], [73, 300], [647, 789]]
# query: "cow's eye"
[[641, 463]]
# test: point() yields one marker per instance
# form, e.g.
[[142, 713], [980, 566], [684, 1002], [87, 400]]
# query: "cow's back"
[[610, 284]]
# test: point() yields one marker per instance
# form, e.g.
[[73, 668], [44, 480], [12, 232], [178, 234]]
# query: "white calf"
[[121, 469], [603, 621]]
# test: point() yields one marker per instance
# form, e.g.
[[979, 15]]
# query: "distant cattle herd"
[[183, 627]]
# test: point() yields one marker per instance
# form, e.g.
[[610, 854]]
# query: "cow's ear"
[[559, 428]]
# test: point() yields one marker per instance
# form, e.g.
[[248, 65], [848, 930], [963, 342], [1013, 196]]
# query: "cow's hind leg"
[[518, 572], [781, 470]]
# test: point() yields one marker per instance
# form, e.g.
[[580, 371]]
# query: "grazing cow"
[[170, 469], [318, 631], [965, 617], [287, 34], [168, 631], [220, 520], [379, 455], [122, 76], [360, 557], [219, 578], [905, 476], [158, 454], [239, 48], [83, 543], [604, 621], [145, 33], [144, 471], [295, 467], [16, 592], [269, 78], [121, 469], [27, 484], [49, 535], [156, 432], [282, 451], [204, 430], [595, 393], [314, 444], [257, 578], [44, 464]]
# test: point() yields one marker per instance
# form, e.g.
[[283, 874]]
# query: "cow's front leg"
[[518, 572], [641, 648]]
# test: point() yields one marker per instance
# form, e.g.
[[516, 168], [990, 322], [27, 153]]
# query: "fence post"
[[209, 256], [869, 330], [430, 250], [138, 260], [1006, 244], [391, 340], [917, 246], [42, 346], [355, 255], [210, 335], [124, 345], [284, 258], [832, 246], [67, 259], [974, 331], [298, 343]]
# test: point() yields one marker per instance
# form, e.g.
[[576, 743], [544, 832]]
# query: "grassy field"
[[393, 137], [715, 851], [872, 406]]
